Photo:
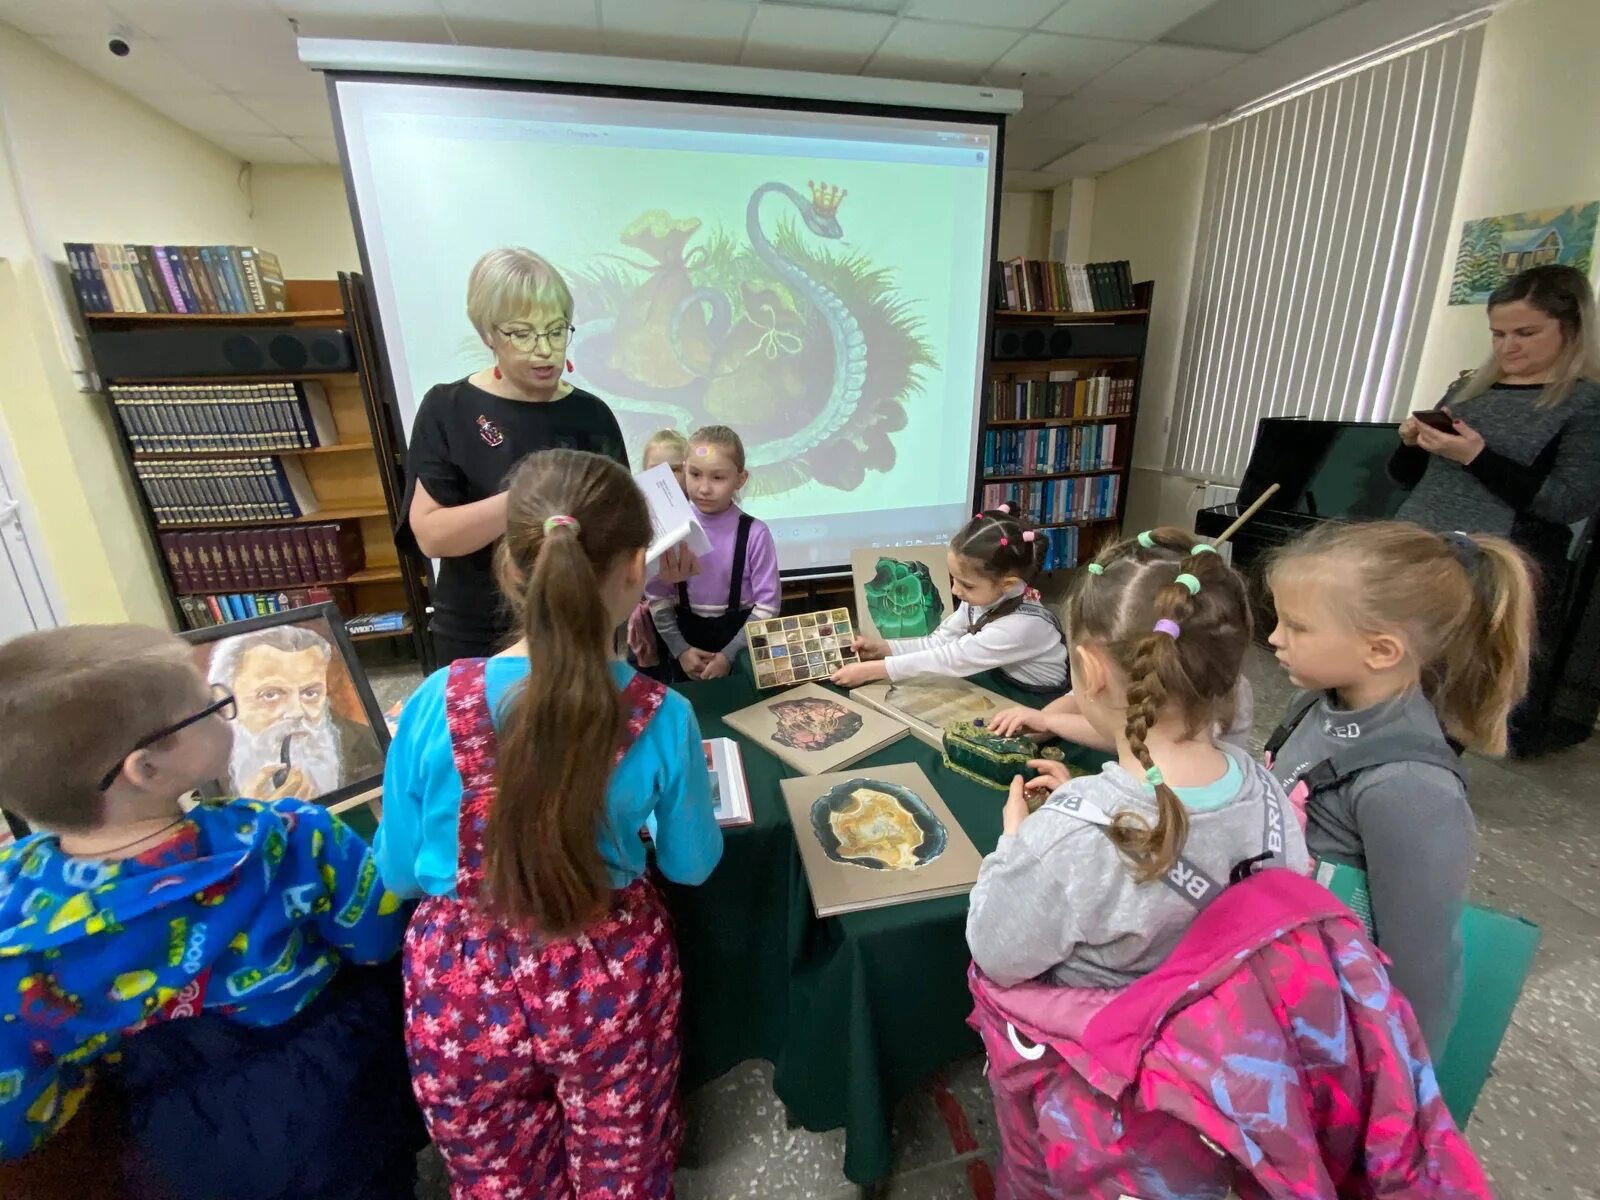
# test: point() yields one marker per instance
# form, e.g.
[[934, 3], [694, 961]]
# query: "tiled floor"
[[1536, 1126]]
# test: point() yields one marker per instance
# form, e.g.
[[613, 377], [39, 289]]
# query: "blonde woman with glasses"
[[470, 433]]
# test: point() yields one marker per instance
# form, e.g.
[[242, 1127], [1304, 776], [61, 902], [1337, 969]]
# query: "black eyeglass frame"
[[223, 698]]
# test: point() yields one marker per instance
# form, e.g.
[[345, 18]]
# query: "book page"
[[672, 517]]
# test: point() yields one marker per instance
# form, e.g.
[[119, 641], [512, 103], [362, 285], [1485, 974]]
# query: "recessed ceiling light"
[[887, 7]]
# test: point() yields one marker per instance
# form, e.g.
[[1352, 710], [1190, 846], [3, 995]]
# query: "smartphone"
[[1433, 418]]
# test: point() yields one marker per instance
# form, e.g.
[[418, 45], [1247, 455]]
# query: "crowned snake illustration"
[[820, 215]]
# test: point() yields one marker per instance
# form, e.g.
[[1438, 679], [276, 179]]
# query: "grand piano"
[[1338, 470]]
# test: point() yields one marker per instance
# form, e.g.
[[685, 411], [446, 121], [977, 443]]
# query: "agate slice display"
[[881, 826]]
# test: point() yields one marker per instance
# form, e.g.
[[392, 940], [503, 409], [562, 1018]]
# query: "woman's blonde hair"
[[1463, 605], [1560, 292], [506, 283]]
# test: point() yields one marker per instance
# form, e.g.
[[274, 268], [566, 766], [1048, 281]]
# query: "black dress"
[[464, 443]]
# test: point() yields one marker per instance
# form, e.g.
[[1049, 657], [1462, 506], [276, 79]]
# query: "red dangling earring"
[[497, 374], [569, 366]]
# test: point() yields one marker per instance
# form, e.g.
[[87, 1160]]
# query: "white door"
[[25, 603]]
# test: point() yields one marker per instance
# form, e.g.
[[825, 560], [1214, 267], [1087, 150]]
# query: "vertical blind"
[[1323, 226]]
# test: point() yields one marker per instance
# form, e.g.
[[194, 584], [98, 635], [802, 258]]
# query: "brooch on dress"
[[491, 433]]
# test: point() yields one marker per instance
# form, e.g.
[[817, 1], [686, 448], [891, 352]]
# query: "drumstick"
[[1247, 514]]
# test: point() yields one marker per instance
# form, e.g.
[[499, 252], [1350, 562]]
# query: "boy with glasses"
[[124, 913]]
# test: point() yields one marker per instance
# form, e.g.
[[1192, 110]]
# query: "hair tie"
[[977, 516], [1465, 548], [1190, 582], [1027, 535], [1004, 541], [1154, 777], [1145, 540], [1096, 569], [560, 522], [1202, 548], [1005, 508], [1169, 627]]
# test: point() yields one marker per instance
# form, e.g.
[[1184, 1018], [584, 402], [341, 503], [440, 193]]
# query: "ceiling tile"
[[705, 31], [1249, 26], [1006, 14], [780, 36], [263, 149], [1255, 77], [1094, 158], [240, 19], [1025, 181], [1158, 126], [936, 50], [1082, 119], [150, 67], [1029, 152], [387, 27], [272, 63], [324, 149], [518, 35], [560, 14], [47, 18], [1132, 20], [1157, 73], [304, 9], [1355, 32], [207, 112], [291, 115], [722, 51], [1056, 65]]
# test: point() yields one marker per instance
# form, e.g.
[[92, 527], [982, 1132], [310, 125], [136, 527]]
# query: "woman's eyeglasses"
[[528, 339], [222, 702]]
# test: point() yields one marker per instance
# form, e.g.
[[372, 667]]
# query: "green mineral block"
[[987, 758], [902, 599]]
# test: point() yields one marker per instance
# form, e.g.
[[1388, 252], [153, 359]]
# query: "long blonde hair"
[[1560, 292], [1463, 605]]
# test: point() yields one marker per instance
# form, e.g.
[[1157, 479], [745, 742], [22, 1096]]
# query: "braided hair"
[[1001, 543], [1131, 587]]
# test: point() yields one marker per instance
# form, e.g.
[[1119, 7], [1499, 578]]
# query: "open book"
[[672, 517]]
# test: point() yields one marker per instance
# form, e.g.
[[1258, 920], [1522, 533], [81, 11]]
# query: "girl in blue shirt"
[[542, 981]]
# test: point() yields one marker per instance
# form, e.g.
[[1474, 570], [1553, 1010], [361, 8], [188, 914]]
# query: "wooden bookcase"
[[1093, 532], [355, 479]]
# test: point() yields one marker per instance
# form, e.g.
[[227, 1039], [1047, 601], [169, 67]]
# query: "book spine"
[[141, 268], [87, 302], [162, 286], [108, 272], [219, 286], [252, 278], [199, 281], [172, 275], [272, 286], [234, 268], [323, 568], [96, 278]]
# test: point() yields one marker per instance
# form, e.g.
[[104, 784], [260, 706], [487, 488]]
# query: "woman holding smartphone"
[[1514, 449]]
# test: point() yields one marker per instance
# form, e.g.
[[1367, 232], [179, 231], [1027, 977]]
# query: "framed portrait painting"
[[308, 725]]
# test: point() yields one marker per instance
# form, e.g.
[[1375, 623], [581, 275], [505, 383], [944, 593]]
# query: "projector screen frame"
[[996, 118]]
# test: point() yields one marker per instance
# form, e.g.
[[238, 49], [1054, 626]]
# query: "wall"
[[303, 216], [1024, 225], [1530, 145], [86, 163], [1149, 213]]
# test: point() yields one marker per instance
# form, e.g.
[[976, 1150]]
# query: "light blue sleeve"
[[398, 843], [687, 838]]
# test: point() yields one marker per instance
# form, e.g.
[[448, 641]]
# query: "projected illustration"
[[903, 600], [812, 352]]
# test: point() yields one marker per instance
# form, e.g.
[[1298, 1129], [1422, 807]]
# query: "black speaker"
[[1105, 339], [220, 350]]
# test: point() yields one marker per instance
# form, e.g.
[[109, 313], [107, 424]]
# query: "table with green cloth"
[[854, 1012]]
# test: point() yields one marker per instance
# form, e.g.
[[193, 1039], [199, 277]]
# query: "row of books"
[[236, 490], [172, 418], [1063, 547], [274, 557], [1035, 285], [1051, 501], [1059, 448], [199, 612], [109, 277], [1063, 394]]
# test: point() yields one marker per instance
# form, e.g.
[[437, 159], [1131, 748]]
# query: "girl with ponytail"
[[542, 981], [1096, 887], [998, 623], [1410, 646]]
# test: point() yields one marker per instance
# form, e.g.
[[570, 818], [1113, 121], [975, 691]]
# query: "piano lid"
[[1324, 468]]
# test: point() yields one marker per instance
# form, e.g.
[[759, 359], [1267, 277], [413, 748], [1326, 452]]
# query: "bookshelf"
[[1063, 452], [355, 479]]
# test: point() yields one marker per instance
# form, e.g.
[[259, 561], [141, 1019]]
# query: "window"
[[1323, 228]]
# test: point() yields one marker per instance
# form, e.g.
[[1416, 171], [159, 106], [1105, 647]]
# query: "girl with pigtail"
[[1096, 887], [999, 624]]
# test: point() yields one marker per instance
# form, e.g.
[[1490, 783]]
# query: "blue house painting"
[[1524, 248]]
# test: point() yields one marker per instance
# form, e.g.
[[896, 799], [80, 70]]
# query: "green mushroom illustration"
[[903, 600]]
